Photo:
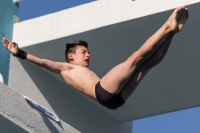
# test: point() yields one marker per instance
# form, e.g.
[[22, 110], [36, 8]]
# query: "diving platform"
[[17, 115]]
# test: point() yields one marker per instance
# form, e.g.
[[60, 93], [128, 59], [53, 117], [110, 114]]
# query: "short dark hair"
[[71, 47]]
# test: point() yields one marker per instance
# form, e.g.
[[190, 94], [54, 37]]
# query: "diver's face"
[[81, 57]]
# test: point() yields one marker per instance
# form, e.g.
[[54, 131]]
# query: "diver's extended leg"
[[117, 77], [155, 59]]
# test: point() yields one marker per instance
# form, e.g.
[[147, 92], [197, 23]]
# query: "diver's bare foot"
[[172, 22], [182, 20]]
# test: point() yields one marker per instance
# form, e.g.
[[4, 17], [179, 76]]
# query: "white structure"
[[117, 27], [1, 78], [17, 1]]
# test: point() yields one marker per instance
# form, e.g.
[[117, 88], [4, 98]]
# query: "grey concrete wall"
[[70, 106], [19, 116]]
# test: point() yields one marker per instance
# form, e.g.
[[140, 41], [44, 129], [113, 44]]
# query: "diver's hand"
[[12, 47]]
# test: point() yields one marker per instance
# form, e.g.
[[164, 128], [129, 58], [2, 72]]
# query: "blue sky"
[[185, 121], [33, 8]]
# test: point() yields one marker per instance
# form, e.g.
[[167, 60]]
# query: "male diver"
[[118, 84]]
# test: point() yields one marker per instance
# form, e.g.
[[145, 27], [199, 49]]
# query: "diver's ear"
[[70, 56]]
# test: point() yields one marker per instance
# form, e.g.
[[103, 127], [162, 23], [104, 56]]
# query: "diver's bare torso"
[[80, 78]]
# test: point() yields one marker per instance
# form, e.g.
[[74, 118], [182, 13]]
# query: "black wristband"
[[21, 54]]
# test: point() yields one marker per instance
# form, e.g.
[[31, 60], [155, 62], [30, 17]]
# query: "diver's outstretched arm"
[[52, 66]]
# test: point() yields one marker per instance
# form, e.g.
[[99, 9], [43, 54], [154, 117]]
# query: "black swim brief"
[[105, 98]]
